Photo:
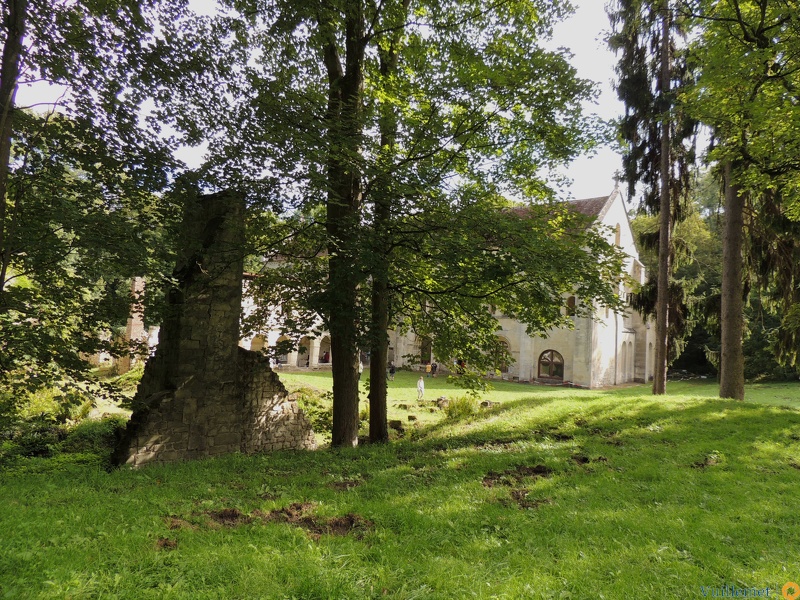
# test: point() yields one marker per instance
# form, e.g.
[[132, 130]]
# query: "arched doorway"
[[304, 352], [283, 358], [325, 350], [551, 366], [631, 363]]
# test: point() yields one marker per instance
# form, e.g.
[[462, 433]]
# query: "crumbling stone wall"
[[201, 395]]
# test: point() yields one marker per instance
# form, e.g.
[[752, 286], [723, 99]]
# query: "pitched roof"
[[591, 207]]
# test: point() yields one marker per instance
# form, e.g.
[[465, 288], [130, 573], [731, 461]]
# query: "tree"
[[385, 135], [656, 155], [748, 56], [76, 204], [695, 279]]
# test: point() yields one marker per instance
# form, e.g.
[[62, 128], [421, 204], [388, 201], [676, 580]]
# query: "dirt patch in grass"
[[345, 484], [521, 498], [582, 459], [229, 517], [515, 475], [709, 461], [166, 544], [297, 514]]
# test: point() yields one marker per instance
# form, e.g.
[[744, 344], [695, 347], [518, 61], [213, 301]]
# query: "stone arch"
[[622, 368], [551, 366], [304, 352], [500, 364], [284, 357], [630, 362], [425, 350], [257, 343], [325, 350]]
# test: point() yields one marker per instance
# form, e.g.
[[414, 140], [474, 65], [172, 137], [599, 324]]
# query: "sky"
[[583, 34]]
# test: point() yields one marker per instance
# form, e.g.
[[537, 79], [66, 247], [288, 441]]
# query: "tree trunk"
[[344, 120], [9, 76], [731, 381], [664, 220], [379, 357], [383, 198]]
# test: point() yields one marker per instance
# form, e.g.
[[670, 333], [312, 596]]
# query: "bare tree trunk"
[[731, 381], [379, 356], [664, 221], [344, 119], [9, 75]]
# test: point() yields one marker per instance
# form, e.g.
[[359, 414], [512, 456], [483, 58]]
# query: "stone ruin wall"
[[202, 395]]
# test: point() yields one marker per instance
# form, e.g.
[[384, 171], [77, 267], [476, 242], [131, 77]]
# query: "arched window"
[[499, 362], [283, 344], [551, 365], [258, 343], [425, 350]]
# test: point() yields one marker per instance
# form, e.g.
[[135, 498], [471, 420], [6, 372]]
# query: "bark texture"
[[732, 353]]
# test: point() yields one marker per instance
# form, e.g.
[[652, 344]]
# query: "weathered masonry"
[[201, 395]]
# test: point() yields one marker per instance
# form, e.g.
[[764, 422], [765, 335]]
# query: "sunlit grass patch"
[[548, 494]]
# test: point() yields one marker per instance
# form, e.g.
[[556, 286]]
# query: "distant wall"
[[201, 395]]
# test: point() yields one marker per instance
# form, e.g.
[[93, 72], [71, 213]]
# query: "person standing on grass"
[[392, 371], [434, 368], [420, 388]]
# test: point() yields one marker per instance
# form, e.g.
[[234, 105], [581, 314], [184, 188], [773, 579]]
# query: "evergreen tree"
[[657, 156]]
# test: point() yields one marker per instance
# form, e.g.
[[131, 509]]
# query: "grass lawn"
[[552, 493]]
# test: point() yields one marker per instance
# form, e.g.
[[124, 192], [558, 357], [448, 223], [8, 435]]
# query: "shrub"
[[461, 407], [37, 436], [94, 437], [318, 409]]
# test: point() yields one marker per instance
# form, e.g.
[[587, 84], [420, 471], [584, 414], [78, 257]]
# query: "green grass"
[[553, 493]]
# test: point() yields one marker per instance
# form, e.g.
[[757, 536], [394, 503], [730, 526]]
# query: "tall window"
[[551, 365], [571, 306], [499, 361]]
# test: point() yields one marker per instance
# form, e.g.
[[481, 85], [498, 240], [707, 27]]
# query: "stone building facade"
[[605, 349]]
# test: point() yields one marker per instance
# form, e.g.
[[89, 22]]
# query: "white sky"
[[582, 33]]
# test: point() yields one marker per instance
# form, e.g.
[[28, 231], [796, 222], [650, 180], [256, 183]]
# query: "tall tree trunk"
[[379, 357], [344, 118], [664, 218], [732, 354], [9, 75]]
